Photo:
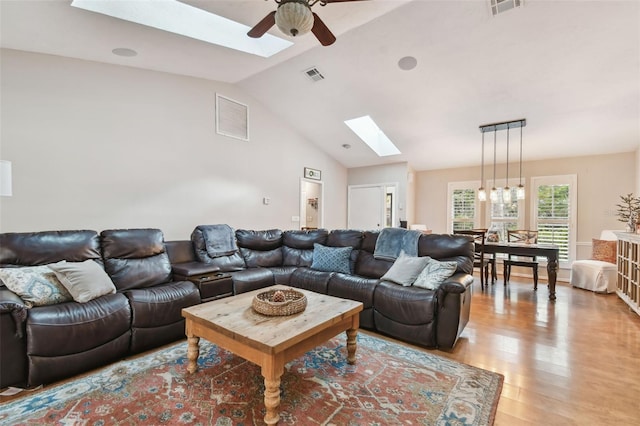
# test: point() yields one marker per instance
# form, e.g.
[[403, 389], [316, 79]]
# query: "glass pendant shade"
[[493, 195], [482, 194], [520, 194], [294, 18], [506, 195]]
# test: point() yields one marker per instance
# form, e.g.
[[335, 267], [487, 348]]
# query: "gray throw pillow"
[[85, 281], [331, 259], [405, 270], [435, 273]]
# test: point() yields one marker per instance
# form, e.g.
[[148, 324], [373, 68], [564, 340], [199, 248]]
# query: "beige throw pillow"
[[85, 281]]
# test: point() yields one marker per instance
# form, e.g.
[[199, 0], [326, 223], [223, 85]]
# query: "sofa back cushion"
[[347, 238], [297, 246], [41, 248], [260, 248], [446, 247], [226, 263], [135, 258], [367, 265]]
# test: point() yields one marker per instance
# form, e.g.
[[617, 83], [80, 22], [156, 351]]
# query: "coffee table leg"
[[272, 371], [193, 351], [351, 345]]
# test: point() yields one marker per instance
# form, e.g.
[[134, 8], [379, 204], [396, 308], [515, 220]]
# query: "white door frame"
[[303, 205]]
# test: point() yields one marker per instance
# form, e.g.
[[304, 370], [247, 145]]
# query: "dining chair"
[[480, 260], [523, 236]]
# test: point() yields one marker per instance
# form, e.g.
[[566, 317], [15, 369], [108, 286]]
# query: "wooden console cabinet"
[[629, 269]]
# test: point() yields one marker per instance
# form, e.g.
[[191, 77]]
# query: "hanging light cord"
[[482, 164], [495, 131], [507, 185], [521, 153]]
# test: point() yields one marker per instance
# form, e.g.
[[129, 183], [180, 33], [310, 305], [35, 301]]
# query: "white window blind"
[[554, 202], [462, 206]]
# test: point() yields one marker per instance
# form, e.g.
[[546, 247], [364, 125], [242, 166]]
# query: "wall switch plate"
[[295, 218], [266, 201]]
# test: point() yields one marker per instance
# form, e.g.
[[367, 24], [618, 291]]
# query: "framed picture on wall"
[[312, 173]]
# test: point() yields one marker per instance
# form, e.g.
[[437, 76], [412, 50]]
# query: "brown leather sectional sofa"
[[156, 279]]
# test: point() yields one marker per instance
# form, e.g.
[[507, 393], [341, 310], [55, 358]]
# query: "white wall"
[[99, 146]]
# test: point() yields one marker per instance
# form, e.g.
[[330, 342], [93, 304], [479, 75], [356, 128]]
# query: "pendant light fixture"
[[506, 192], [520, 194], [482, 194], [493, 195]]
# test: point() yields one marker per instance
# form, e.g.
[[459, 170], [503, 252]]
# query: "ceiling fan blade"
[[322, 33], [263, 26]]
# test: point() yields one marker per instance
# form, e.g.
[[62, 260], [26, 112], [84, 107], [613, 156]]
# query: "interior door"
[[366, 206]]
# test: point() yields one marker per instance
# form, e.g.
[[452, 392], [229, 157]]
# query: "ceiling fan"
[[295, 18]]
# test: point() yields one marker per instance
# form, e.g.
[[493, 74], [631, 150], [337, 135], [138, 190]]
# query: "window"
[[505, 216], [554, 212], [462, 206]]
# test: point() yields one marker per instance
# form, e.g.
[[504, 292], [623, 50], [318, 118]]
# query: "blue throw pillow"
[[331, 259]]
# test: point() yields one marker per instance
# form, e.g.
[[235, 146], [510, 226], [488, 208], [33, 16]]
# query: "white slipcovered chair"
[[596, 274]]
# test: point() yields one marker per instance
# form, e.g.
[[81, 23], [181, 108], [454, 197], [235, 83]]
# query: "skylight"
[[179, 18], [370, 133]]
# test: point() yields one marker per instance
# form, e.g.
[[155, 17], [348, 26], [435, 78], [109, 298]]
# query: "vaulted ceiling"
[[571, 68]]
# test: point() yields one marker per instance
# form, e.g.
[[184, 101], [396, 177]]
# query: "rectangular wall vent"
[[500, 6], [232, 118], [314, 75]]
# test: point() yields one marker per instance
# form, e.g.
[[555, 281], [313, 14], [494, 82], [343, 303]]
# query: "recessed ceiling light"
[[123, 51], [180, 18], [370, 133], [407, 63]]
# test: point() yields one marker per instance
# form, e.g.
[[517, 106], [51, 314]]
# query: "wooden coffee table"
[[270, 342]]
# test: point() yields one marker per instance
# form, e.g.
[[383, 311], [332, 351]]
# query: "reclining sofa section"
[[155, 279]]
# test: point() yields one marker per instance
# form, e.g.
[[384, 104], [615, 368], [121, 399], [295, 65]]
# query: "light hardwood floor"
[[575, 361]]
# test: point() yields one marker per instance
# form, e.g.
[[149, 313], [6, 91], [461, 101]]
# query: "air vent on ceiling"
[[499, 6], [314, 74]]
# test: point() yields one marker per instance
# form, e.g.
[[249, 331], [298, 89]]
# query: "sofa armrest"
[[12, 304], [191, 269], [457, 283], [454, 302]]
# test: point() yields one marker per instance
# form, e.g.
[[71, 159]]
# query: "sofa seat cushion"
[[310, 279], [71, 327], [251, 279], [353, 288], [407, 305], [282, 274], [162, 304]]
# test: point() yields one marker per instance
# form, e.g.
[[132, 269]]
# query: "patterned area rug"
[[390, 384]]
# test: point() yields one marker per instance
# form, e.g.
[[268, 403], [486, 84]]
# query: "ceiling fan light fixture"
[[294, 17]]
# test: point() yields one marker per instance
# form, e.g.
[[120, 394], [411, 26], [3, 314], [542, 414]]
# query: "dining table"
[[550, 251]]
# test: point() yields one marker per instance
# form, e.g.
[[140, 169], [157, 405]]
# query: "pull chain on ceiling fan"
[[295, 18]]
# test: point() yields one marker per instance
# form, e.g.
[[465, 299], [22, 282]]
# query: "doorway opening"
[[311, 204]]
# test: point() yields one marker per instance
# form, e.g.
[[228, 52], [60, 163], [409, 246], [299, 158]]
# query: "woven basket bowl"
[[294, 302]]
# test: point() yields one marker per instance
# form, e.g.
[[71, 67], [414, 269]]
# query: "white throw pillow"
[[85, 281], [435, 273], [405, 269]]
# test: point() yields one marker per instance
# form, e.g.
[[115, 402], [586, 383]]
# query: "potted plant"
[[629, 211]]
